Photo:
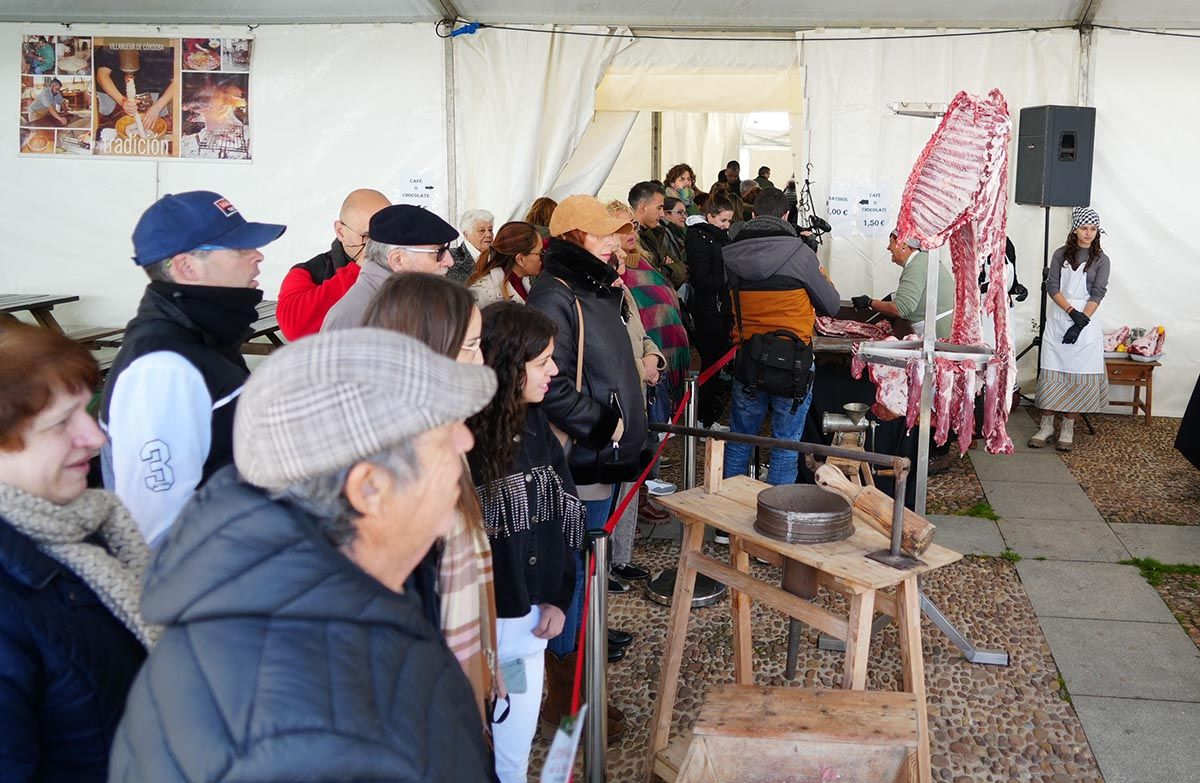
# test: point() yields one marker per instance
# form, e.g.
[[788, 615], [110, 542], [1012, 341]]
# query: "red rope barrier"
[[598, 711]]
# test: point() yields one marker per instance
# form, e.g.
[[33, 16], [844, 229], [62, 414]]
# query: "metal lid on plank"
[[803, 514]]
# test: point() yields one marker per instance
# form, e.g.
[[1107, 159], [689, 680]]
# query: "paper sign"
[[560, 759], [874, 215], [418, 192], [863, 210]]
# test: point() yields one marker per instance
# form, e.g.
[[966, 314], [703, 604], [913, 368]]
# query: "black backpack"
[[779, 363]]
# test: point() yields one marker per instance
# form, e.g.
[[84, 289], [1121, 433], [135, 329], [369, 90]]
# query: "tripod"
[[1037, 339]]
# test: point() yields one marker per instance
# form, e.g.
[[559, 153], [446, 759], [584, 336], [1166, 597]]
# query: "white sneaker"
[[721, 537], [659, 489], [717, 426]]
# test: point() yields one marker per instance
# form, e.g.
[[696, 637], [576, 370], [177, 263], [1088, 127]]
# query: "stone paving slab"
[[969, 535], [1042, 501], [1063, 539], [1165, 543], [1124, 659], [1096, 591], [1025, 466], [1138, 740]]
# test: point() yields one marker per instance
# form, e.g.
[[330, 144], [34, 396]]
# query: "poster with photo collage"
[[135, 97]]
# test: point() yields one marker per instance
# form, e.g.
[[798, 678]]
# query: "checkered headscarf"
[[1085, 216]]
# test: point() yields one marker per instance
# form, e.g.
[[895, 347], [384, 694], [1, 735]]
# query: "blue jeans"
[[746, 417], [565, 642]]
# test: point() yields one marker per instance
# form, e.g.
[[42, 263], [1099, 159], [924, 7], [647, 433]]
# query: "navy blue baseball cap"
[[180, 222]]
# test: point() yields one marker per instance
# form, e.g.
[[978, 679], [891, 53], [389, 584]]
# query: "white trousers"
[[514, 737]]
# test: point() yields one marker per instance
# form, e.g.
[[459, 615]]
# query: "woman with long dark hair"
[[712, 312], [442, 314], [1072, 378], [507, 268], [531, 514]]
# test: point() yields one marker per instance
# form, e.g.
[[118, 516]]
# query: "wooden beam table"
[[37, 305], [267, 325], [731, 505]]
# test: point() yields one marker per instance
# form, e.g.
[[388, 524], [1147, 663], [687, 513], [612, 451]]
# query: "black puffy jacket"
[[706, 270], [611, 386], [283, 661]]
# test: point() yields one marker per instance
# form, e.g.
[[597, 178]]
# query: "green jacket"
[[910, 293]]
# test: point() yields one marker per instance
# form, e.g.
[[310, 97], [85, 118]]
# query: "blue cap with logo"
[[180, 222]]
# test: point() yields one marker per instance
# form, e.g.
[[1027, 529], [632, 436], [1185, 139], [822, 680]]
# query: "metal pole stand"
[[661, 589], [595, 670]]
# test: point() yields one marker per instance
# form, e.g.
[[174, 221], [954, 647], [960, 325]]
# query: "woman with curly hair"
[[531, 513]]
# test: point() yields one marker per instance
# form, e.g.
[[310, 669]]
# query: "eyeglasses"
[[440, 251], [677, 212]]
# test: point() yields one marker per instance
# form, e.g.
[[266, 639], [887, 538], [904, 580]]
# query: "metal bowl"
[[803, 514]]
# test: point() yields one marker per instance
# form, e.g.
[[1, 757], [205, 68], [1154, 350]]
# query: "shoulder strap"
[[579, 346], [737, 311]]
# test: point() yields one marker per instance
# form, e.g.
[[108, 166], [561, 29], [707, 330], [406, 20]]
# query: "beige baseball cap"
[[585, 213]]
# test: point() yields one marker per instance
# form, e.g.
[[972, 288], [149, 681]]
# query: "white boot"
[[1045, 433], [1066, 435]]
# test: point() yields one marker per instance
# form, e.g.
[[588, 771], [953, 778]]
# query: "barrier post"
[[690, 416], [596, 661]]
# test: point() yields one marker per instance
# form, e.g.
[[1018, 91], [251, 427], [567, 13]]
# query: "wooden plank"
[[714, 465], [858, 640], [11, 303], [734, 510], [697, 766], [672, 659], [668, 761], [770, 595], [739, 760], [91, 336], [739, 607], [864, 717], [912, 665]]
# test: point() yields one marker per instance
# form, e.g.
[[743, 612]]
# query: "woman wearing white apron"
[[1072, 378]]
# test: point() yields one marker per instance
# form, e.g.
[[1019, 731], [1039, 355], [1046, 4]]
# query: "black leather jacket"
[[611, 388]]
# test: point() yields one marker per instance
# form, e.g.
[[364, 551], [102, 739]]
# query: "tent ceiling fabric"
[[676, 14]]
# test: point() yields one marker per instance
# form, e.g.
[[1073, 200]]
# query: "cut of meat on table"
[[839, 327], [1151, 343], [1113, 339]]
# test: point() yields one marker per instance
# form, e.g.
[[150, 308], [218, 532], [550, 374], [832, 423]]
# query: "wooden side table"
[[1139, 375], [731, 505]]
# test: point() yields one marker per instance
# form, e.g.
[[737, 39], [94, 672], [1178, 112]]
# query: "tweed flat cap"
[[325, 402]]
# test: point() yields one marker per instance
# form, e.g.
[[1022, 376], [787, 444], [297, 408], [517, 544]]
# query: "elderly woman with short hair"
[[478, 230], [71, 561], [296, 647]]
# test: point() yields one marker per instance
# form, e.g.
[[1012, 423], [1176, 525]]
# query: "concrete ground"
[[1132, 672]]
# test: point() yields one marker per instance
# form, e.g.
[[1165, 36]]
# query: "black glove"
[[861, 302], [1079, 318], [1072, 335]]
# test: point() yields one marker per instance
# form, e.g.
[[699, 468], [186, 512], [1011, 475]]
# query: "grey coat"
[[350, 309]]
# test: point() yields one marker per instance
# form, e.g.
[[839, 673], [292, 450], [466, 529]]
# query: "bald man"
[[310, 289]]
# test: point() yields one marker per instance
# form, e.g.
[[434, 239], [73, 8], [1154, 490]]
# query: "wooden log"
[[875, 509]]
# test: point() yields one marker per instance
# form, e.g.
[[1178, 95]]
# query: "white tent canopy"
[[498, 117]]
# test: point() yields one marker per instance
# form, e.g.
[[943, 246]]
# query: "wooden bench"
[[1139, 375], [94, 337], [771, 735]]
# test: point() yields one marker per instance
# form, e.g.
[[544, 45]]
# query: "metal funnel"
[[857, 411]]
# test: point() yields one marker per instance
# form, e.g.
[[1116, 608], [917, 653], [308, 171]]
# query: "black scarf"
[[223, 314], [577, 266]]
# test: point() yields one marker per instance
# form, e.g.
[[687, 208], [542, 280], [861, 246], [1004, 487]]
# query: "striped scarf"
[[659, 307]]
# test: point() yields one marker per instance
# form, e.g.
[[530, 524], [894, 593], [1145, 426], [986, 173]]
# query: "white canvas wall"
[[1146, 161], [333, 108]]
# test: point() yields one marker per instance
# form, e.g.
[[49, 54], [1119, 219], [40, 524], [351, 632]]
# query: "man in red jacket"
[[311, 288]]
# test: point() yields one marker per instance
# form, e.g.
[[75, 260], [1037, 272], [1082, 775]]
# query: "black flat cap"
[[404, 224]]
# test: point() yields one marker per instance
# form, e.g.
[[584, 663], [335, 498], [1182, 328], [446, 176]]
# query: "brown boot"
[[560, 679], [648, 513]]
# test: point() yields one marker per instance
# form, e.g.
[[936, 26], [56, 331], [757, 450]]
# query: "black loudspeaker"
[[1054, 156]]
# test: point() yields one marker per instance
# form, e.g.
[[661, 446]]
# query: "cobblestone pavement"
[[1181, 592], [956, 489], [1132, 473], [987, 723]]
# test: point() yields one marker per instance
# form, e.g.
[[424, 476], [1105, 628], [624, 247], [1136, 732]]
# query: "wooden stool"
[[1139, 375], [773, 735], [730, 505]]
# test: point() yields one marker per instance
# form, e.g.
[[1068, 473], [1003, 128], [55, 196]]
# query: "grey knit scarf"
[[113, 571]]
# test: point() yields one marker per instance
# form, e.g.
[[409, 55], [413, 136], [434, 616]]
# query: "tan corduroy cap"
[[328, 401], [585, 213]]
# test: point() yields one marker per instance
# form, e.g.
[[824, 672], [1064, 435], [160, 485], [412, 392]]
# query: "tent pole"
[[656, 145], [451, 133]]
